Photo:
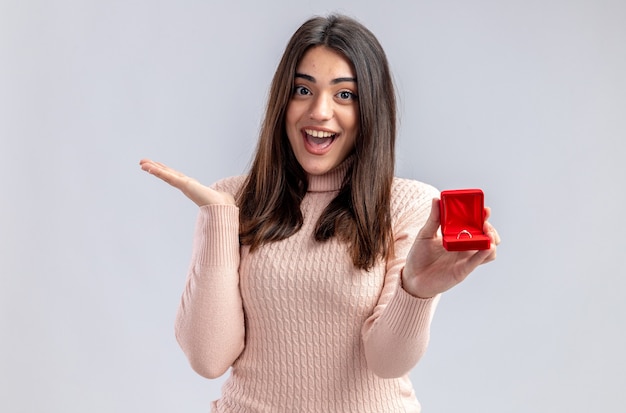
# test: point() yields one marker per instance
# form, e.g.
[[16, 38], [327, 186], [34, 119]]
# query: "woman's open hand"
[[201, 195], [431, 270]]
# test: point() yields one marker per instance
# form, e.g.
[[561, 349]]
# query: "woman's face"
[[323, 113]]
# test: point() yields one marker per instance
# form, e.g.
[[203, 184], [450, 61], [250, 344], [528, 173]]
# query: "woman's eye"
[[301, 90], [346, 95]]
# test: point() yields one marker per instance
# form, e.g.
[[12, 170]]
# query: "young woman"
[[316, 275]]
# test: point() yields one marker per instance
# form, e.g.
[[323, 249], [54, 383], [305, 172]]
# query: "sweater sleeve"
[[210, 320], [396, 335]]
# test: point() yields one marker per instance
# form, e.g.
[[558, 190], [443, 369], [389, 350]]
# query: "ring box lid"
[[462, 211]]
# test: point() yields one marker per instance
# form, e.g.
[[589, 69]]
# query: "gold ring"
[[466, 232]]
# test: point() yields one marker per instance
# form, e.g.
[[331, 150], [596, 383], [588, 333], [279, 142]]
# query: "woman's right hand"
[[201, 195]]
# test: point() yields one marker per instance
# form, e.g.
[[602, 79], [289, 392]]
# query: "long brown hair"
[[360, 214]]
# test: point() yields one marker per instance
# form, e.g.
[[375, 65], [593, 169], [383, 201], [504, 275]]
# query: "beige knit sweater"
[[301, 327]]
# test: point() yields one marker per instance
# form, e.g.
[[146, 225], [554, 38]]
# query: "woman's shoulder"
[[411, 195], [403, 188], [230, 185]]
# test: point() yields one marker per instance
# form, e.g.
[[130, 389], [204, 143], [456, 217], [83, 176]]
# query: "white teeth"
[[319, 133]]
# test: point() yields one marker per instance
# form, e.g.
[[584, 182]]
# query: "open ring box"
[[462, 219]]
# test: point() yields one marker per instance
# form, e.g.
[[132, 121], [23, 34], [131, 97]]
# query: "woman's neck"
[[331, 180]]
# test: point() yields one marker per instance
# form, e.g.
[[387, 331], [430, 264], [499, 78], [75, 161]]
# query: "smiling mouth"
[[319, 139]]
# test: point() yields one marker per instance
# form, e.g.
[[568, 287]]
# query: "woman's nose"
[[322, 108]]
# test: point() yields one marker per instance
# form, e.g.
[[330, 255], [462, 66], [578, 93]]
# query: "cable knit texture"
[[301, 327]]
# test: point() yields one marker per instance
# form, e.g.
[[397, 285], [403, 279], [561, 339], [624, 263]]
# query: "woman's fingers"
[[165, 173]]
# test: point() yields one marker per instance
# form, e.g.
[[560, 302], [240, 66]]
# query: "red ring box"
[[462, 219]]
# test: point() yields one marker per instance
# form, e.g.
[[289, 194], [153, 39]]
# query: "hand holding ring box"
[[462, 219]]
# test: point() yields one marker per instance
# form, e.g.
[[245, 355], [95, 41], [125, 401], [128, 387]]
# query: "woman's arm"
[[397, 334], [210, 320]]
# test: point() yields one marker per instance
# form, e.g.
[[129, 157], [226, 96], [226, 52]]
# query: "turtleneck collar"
[[331, 180]]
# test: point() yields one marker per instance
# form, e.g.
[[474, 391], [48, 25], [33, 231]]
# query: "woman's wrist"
[[409, 284]]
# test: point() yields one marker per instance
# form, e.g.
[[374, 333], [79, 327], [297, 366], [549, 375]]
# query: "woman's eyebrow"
[[332, 82]]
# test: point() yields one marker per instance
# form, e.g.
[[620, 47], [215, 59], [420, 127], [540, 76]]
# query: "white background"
[[525, 99]]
